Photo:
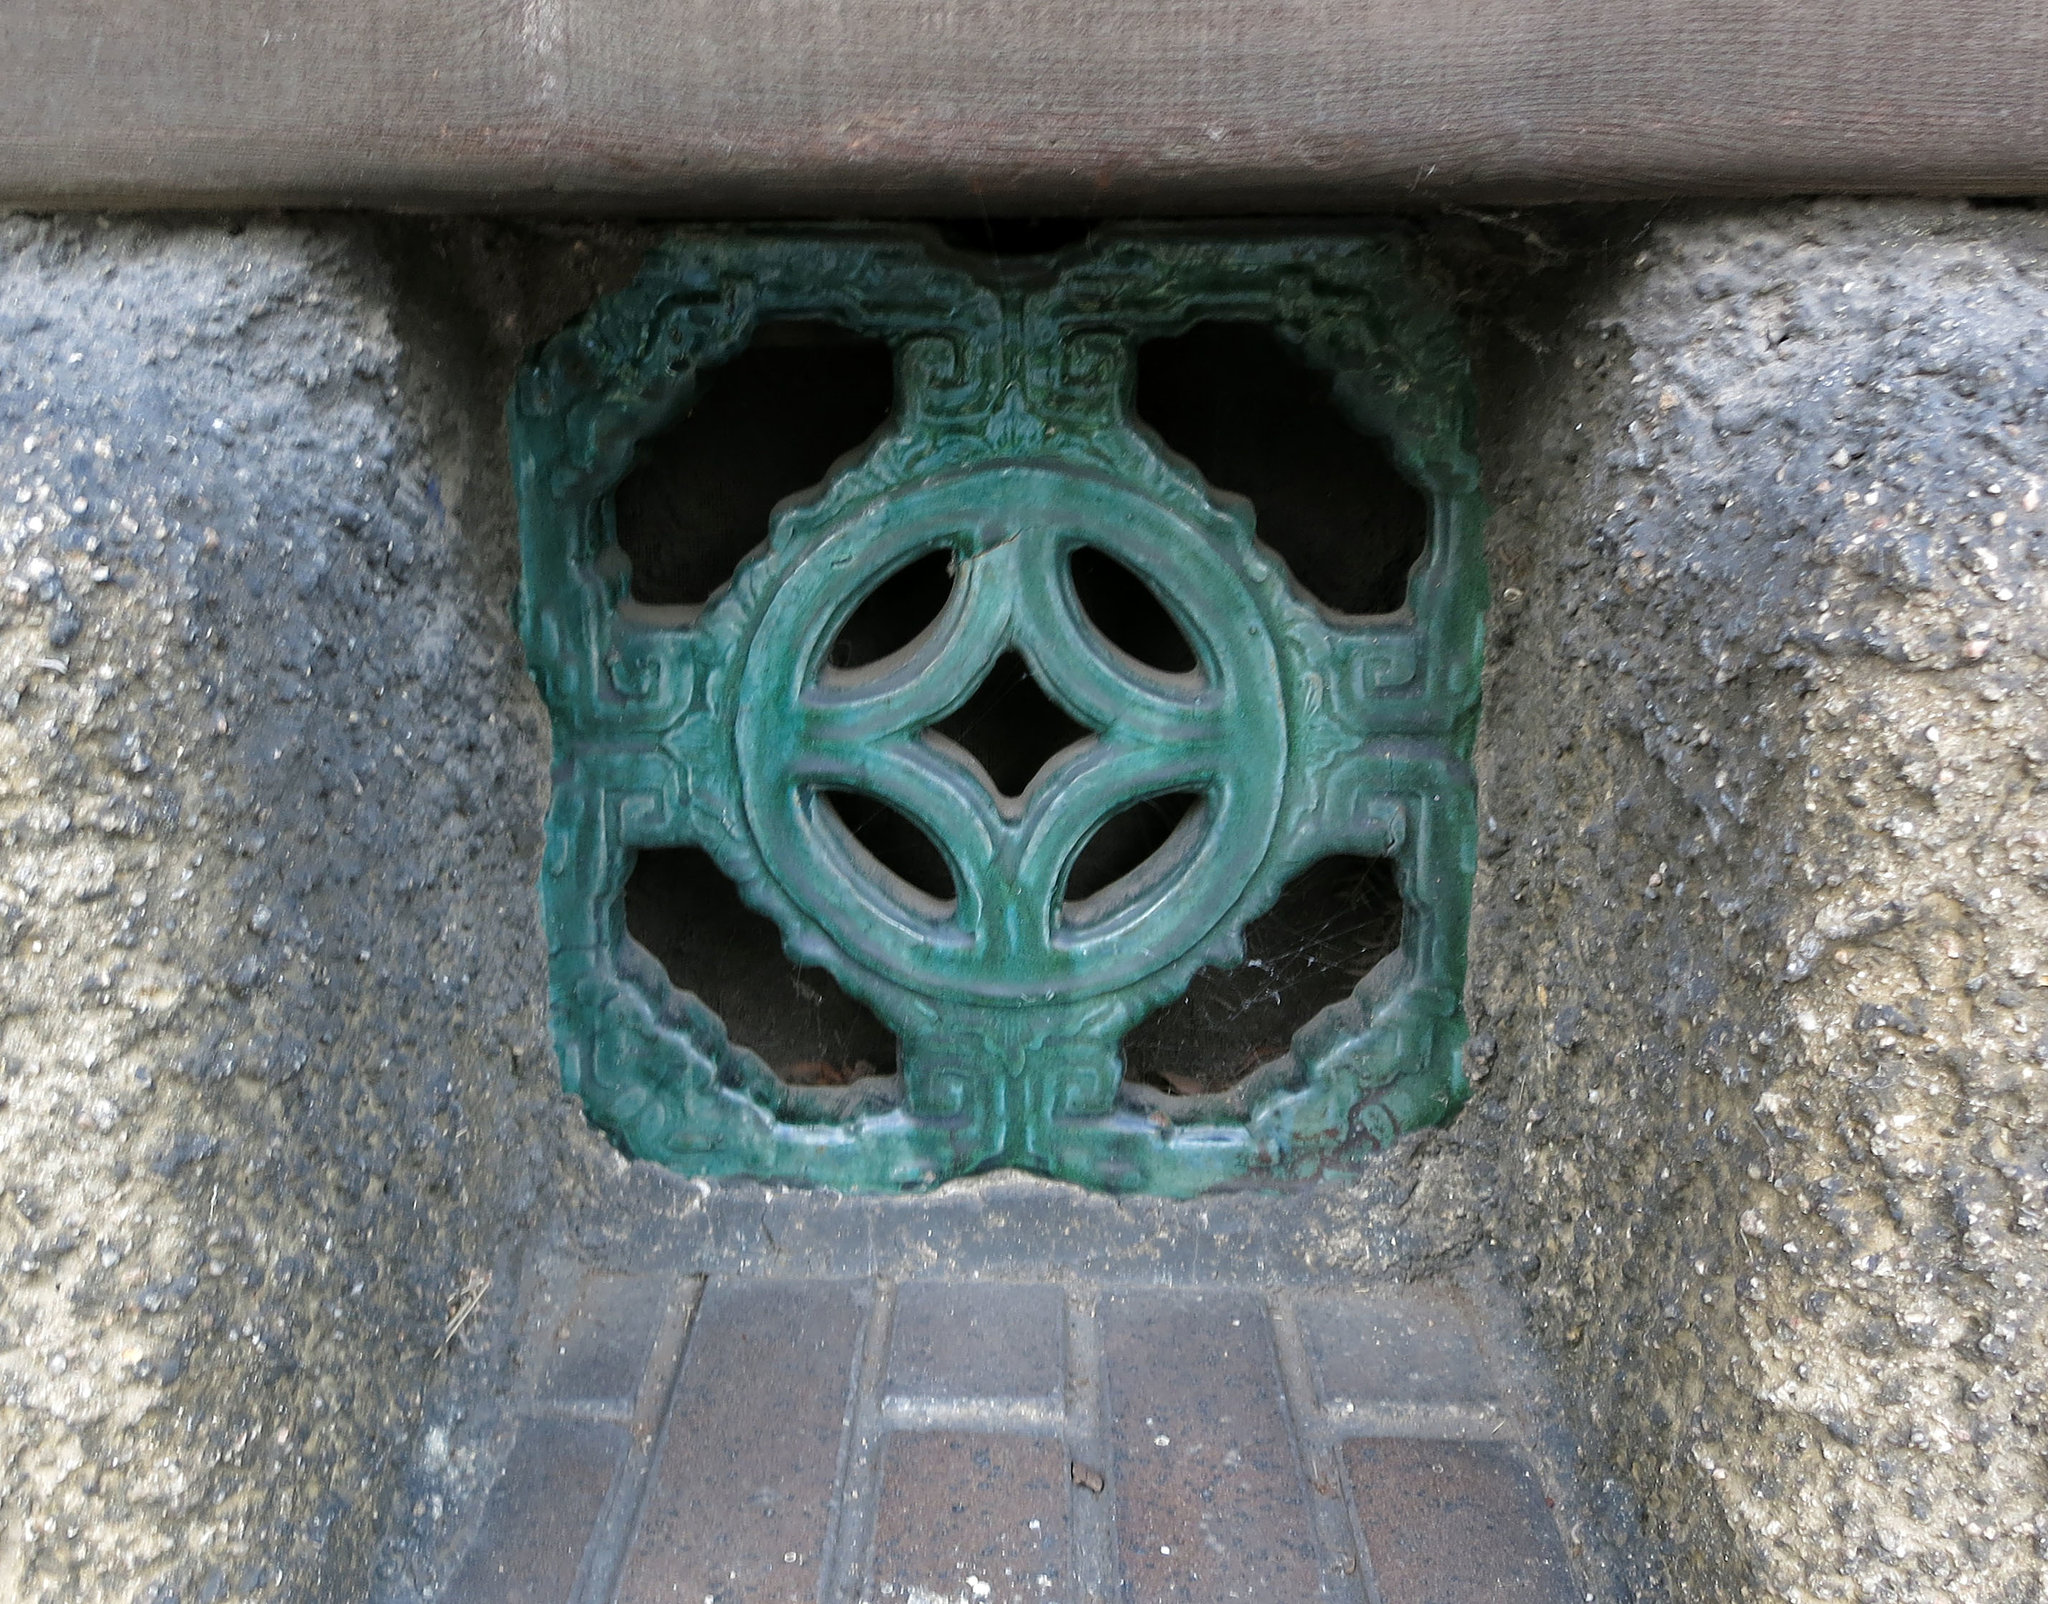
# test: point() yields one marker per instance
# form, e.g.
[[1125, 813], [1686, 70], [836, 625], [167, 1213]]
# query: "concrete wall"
[[1757, 955], [272, 1040], [1762, 927]]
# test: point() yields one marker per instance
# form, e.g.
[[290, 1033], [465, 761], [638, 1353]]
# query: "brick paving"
[[739, 1439]]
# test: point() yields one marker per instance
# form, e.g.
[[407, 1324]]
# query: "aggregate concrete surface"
[[1761, 932], [272, 1044]]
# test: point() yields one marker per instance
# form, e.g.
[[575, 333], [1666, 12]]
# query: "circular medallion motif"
[[1011, 933]]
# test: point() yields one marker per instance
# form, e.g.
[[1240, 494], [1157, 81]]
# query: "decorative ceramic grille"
[[1298, 733]]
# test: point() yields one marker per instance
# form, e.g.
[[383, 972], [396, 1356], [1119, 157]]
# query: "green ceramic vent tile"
[[1301, 734]]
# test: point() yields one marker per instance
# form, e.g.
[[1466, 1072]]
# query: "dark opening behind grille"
[[683, 910], [1335, 920], [766, 425], [1237, 402]]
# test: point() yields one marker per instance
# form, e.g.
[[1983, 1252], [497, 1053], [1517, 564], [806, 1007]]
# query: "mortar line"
[[1023, 1417], [842, 1563], [1347, 1569], [1091, 1517], [1368, 1574], [1415, 1423], [646, 1434]]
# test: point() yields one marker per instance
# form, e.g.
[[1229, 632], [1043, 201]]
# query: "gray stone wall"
[[1762, 931], [273, 1066]]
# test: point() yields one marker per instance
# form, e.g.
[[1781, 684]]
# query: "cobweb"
[[1334, 922]]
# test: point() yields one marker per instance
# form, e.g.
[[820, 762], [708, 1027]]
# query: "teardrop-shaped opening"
[[1124, 845], [1331, 924], [684, 911], [898, 844], [896, 612], [1128, 613], [1248, 410]]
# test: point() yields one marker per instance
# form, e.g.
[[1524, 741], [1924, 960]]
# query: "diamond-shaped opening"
[[1129, 613], [1010, 726], [684, 911], [1332, 923], [1123, 845], [895, 612], [1245, 408], [898, 844], [767, 424]]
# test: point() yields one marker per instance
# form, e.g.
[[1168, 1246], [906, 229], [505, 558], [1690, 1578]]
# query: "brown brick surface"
[[741, 1498], [971, 1516], [541, 1514], [1456, 1523], [598, 1350], [978, 1339], [1391, 1348], [1210, 1505], [959, 1442]]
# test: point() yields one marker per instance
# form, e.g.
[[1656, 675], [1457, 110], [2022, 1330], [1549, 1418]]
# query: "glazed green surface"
[[1012, 444]]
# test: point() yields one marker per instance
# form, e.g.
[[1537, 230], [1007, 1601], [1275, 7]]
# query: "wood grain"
[[1005, 106]]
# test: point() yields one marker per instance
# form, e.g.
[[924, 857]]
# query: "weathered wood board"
[[1008, 106]]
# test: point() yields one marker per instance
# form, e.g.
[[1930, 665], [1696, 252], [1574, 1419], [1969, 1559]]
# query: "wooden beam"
[[1007, 106]]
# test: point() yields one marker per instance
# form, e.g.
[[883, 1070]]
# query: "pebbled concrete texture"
[[273, 1062], [1759, 951]]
